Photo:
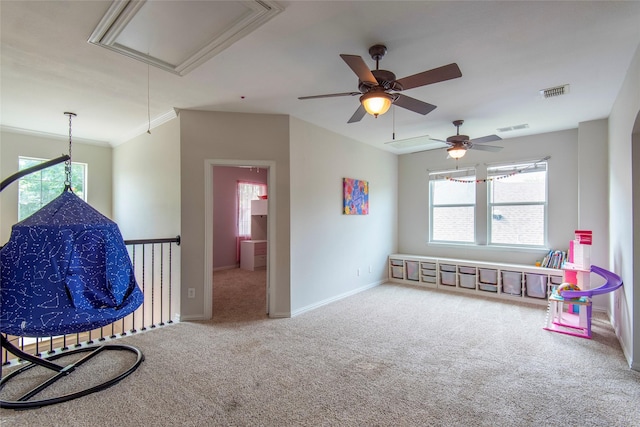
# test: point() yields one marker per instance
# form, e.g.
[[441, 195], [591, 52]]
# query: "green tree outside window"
[[39, 188]]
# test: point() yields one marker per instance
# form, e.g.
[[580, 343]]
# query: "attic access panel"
[[176, 38]]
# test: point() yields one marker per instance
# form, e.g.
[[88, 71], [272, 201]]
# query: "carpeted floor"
[[239, 295], [390, 356]]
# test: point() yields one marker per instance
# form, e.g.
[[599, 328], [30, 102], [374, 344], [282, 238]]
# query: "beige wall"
[[146, 184], [146, 196], [593, 187], [230, 136], [413, 190], [329, 249], [624, 212], [13, 145]]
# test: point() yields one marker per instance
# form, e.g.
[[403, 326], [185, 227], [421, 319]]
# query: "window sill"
[[502, 248]]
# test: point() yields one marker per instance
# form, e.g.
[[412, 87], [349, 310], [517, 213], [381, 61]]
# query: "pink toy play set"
[[570, 304]]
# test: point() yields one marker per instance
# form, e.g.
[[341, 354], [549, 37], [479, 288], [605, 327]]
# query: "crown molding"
[[142, 129], [47, 135]]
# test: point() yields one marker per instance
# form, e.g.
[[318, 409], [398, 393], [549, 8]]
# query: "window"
[[39, 188], [452, 206], [247, 191], [517, 204]]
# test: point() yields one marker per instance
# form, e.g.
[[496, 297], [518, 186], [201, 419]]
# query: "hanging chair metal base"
[[26, 402]]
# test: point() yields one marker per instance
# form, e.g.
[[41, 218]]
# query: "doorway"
[[233, 293]]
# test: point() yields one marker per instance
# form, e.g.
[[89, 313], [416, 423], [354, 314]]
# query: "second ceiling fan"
[[459, 144], [378, 88]]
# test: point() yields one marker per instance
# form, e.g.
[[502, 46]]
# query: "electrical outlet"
[[370, 269], [191, 293], [358, 272]]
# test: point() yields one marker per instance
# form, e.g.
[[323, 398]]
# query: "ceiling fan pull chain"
[[393, 121]]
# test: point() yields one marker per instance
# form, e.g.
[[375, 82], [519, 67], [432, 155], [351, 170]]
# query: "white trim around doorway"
[[209, 164]]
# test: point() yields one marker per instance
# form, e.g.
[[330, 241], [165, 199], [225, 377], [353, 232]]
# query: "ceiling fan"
[[459, 144], [377, 88]]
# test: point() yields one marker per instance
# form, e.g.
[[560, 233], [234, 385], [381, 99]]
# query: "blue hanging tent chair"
[[64, 270]]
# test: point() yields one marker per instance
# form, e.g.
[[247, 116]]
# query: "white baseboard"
[[625, 351], [190, 317], [336, 298], [227, 267], [284, 315]]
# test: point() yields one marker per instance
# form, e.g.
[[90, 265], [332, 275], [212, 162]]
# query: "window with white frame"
[[39, 188], [247, 191], [452, 206], [517, 204]]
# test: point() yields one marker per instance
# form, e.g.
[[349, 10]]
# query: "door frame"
[[209, 164]]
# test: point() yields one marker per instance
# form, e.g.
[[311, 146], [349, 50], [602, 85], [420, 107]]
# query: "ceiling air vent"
[[555, 91], [516, 127]]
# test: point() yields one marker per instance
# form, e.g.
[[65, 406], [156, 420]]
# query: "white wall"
[[146, 184], [413, 195], [624, 212], [593, 192], [146, 194], [231, 136], [593, 186], [328, 247], [13, 145]]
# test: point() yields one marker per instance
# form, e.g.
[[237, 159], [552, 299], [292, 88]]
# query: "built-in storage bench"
[[508, 281]]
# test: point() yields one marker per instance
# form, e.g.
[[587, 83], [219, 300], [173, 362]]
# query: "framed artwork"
[[355, 197]]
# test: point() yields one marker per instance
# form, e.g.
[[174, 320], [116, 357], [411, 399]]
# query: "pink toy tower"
[[576, 271], [573, 316]]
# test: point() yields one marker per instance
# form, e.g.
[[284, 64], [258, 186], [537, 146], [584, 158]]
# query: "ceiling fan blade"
[[413, 104], [488, 138], [330, 95], [446, 72], [358, 115], [357, 64], [493, 148]]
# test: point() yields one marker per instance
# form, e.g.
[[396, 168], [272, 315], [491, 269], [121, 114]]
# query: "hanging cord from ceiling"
[[67, 163], [148, 102]]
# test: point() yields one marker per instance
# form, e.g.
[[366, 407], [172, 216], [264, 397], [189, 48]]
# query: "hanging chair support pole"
[[25, 401], [67, 164], [32, 169]]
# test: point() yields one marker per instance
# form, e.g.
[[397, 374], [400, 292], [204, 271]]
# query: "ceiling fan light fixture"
[[376, 102], [456, 152]]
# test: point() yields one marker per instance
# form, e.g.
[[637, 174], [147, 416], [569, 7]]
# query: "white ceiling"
[[507, 52]]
